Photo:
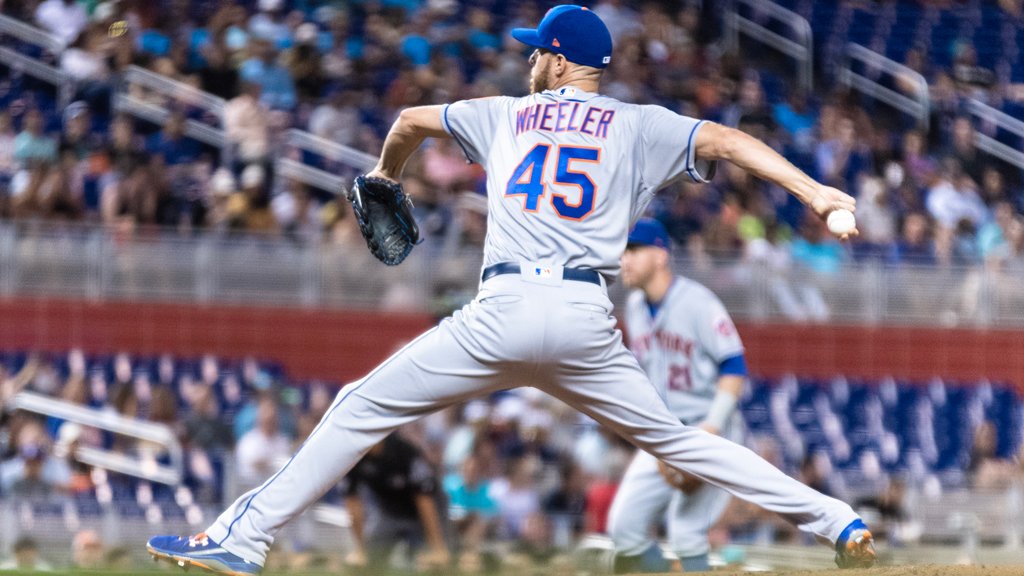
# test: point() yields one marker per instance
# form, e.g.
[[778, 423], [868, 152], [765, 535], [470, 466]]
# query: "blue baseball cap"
[[649, 232], [572, 31]]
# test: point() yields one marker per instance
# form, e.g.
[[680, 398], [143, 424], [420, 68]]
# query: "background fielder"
[[687, 344], [568, 172]]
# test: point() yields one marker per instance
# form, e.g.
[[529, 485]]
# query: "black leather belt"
[[577, 274]]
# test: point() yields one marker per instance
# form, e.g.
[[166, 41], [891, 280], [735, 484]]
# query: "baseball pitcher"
[[568, 172]]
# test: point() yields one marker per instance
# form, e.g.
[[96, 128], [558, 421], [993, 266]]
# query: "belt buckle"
[[541, 273]]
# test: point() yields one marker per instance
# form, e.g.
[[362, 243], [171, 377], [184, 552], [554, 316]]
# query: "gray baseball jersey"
[[570, 155], [681, 347]]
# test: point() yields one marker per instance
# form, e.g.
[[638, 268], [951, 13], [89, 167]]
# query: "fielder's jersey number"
[[528, 180]]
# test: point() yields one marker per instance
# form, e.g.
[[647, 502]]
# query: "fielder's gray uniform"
[[680, 349], [567, 174]]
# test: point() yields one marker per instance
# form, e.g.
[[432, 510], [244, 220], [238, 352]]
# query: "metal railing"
[[30, 34], [62, 82], [148, 469], [332, 153], [44, 260], [863, 70], [742, 18], [997, 120], [152, 108]]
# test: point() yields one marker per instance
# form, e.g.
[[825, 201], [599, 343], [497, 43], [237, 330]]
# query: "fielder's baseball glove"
[[384, 213]]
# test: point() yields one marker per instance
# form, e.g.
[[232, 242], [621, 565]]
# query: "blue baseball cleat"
[[855, 547], [201, 552]]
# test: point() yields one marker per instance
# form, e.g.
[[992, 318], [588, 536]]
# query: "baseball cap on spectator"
[[154, 42], [270, 5], [649, 232], [75, 110], [306, 33], [572, 31], [222, 183], [104, 11], [252, 176]]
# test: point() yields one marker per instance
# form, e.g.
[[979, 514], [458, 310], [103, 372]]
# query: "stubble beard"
[[539, 80]]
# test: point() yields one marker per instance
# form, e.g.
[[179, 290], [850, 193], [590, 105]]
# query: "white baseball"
[[841, 222]]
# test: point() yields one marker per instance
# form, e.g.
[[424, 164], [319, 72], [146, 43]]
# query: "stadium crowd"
[[343, 72], [517, 469], [518, 477]]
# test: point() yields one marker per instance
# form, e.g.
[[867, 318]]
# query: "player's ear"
[[664, 258]]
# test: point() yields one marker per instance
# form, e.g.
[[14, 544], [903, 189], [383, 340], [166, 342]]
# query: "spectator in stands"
[[207, 438], [269, 24], [516, 496], [124, 149], [993, 187], [817, 250], [813, 475], [277, 88], [260, 451], [65, 19], [60, 192], [567, 503], [470, 505], [953, 197], [87, 550], [220, 188], [25, 196], [204, 427], [992, 238], [470, 226], [246, 125], [404, 488], [303, 62], [295, 212], [915, 245], [964, 150], [85, 60], [32, 147], [839, 159], [918, 165], [875, 218], [218, 76], [621, 19], [986, 469], [170, 144], [255, 200], [969, 76], [26, 557], [337, 118], [795, 116], [77, 135], [33, 473], [751, 110], [890, 506], [445, 167]]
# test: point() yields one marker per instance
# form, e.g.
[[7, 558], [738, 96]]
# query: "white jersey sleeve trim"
[[448, 129], [691, 159]]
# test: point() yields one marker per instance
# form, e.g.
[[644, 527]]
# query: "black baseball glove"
[[384, 213]]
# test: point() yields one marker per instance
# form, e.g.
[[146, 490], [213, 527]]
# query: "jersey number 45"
[[528, 180]]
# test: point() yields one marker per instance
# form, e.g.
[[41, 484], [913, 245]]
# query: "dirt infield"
[[919, 570]]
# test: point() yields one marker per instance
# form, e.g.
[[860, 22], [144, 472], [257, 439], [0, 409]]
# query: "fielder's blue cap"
[[572, 31], [649, 232]]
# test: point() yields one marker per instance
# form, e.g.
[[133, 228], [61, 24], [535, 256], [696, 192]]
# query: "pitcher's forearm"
[[407, 133], [717, 142]]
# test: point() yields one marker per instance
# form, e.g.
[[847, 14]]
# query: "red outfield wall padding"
[[343, 345]]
